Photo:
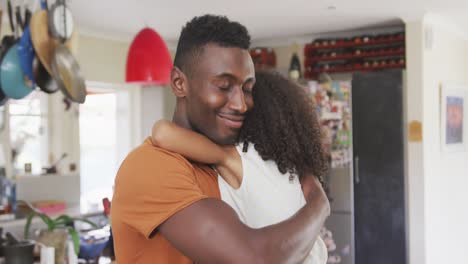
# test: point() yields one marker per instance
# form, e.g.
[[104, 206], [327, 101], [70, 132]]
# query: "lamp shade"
[[148, 59]]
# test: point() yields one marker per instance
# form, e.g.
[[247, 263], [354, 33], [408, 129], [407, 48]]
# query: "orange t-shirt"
[[153, 184]]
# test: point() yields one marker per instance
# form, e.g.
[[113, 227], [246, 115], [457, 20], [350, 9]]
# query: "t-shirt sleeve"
[[151, 186]]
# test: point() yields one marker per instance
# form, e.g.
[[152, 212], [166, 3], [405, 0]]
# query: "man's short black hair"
[[204, 30]]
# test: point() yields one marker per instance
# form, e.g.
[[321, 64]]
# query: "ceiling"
[[121, 19]]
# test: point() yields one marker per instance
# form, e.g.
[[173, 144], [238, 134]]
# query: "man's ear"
[[178, 82]]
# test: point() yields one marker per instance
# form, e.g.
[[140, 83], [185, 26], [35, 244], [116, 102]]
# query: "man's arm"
[[209, 231]]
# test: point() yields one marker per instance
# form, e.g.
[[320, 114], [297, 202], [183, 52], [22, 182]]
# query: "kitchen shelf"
[[313, 73], [310, 60], [353, 44]]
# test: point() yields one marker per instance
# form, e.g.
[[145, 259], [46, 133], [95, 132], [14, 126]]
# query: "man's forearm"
[[291, 240]]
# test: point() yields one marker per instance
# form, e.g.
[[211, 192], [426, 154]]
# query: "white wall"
[[413, 103], [446, 174]]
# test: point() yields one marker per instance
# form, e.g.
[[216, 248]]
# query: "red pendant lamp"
[[148, 59]]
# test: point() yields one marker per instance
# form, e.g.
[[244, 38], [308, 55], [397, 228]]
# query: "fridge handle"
[[356, 170]]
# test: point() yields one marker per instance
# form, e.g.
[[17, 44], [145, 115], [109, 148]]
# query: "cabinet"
[[379, 178]]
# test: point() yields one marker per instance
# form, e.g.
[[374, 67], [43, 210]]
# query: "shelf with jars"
[[361, 53], [358, 41], [263, 57]]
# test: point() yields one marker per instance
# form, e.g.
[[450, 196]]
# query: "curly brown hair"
[[283, 126]]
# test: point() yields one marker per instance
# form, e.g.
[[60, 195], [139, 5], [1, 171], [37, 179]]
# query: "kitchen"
[[81, 145]]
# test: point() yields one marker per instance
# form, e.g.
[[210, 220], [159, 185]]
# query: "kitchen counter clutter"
[[85, 238], [36, 189], [16, 226]]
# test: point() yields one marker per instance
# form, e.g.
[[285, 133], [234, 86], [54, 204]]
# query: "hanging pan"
[[65, 68], [39, 73], [67, 72], [44, 44]]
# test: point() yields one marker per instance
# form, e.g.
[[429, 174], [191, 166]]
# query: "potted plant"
[[57, 232]]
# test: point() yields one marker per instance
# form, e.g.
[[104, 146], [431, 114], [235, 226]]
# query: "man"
[[166, 209]]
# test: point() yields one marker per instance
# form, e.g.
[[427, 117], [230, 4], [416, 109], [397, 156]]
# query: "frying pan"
[[68, 74]]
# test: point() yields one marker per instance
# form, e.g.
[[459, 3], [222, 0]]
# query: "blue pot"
[[12, 78]]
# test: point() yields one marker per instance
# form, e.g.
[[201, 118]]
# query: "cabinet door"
[[379, 197]]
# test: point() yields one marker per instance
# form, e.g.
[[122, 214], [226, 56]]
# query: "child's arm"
[[199, 148], [186, 142]]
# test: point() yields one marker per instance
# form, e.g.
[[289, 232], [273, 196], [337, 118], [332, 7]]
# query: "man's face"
[[219, 92]]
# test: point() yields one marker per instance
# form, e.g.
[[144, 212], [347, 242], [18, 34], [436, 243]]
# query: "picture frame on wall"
[[454, 122]]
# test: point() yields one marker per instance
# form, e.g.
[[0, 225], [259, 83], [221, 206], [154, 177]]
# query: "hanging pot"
[[3, 98], [7, 42], [12, 78]]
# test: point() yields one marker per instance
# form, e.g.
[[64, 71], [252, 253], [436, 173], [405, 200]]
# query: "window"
[[98, 147], [29, 132], [111, 122]]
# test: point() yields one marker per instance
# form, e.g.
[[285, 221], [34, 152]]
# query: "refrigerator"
[[362, 122]]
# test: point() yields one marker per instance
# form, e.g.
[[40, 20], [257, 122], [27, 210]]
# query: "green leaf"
[[47, 220], [28, 225], [75, 239], [62, 220]]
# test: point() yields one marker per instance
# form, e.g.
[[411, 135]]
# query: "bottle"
[[295, 67]]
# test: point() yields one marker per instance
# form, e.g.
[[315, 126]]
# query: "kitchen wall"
[[446, 174], [103, 60], [437, 51]]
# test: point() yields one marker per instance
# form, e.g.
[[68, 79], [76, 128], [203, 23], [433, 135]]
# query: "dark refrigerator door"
[[379, 204]]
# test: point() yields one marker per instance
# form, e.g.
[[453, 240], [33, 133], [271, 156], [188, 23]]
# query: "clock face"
[[63, 21]]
